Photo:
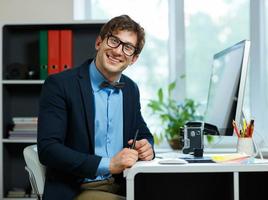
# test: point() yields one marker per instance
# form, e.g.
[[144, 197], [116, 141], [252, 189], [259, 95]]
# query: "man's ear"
[[98, 43], [134, 59]]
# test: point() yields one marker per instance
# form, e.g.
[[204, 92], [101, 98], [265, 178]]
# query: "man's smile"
[[113, 59]]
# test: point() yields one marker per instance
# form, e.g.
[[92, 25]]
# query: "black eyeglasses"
[[115, 42]]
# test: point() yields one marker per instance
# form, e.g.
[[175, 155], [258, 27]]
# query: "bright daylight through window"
[[210, 29]]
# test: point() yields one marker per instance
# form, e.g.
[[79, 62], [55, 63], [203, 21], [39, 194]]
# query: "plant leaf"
[[171, 114], [171, 87], [160, 95], [155, 106]]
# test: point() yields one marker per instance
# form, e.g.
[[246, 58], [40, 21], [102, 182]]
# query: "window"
[[210, 26]]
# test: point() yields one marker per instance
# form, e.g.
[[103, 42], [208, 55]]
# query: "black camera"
[[193, 136]]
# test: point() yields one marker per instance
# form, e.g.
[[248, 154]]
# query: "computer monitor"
[[227, 87]]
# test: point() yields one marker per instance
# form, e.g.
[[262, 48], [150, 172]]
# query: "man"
[[88, 117]]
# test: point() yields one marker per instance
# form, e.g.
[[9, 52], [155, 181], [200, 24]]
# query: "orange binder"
[[66, 49], [53, 51]]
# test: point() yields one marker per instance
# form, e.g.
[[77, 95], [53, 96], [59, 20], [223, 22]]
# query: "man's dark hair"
[[124, 22]]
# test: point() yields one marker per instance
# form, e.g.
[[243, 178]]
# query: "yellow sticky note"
[[229, 157]]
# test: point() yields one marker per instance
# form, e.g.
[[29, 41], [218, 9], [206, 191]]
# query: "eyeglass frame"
[[109, 35]]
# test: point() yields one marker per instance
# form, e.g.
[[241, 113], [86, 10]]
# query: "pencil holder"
[[245, 145]]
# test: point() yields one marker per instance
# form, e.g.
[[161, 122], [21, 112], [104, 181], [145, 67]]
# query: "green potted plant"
[[173, 115]]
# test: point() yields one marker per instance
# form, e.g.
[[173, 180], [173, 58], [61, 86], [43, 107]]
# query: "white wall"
[[36, 10]]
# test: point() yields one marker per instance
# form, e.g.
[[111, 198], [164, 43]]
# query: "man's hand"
[[144, 149], [122, 160]]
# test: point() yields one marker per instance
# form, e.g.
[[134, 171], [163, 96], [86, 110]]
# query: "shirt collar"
[[96, 77]]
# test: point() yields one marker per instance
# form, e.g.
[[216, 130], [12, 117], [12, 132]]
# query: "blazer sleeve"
[[52, 125]]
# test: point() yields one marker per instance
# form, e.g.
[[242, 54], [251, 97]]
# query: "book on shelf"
[[23, 128], [22, 138], [23, 134], [20, 193], [18, 120], [24, 124], [16, 193]]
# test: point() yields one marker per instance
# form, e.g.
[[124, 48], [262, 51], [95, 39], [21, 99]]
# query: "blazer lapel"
[[126, 111], [88, 100]]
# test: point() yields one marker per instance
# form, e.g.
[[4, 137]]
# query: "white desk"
[[153, 167]]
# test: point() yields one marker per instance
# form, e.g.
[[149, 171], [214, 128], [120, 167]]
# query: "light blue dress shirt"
[[108, 121]]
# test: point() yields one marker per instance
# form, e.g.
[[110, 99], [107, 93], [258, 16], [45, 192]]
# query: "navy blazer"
[[66, 129]]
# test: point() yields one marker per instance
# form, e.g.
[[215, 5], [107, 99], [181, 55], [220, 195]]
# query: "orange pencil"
[[236, 129]]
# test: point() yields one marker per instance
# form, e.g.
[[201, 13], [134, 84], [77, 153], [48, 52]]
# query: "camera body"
[[193, 135]]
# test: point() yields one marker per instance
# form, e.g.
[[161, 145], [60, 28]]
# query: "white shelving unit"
[[19, 140], [30, 82], [19, 44]]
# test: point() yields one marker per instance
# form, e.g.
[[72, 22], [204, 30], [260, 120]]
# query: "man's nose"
[[119, 49]]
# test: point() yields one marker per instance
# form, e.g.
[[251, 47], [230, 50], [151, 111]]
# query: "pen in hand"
[[134, 140]]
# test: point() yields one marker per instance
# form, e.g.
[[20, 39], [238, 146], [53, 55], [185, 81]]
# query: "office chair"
[[35, 169]]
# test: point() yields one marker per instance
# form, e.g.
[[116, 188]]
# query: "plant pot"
[[175, 143]]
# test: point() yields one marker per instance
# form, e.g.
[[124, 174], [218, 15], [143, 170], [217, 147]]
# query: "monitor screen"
[[227, 87]]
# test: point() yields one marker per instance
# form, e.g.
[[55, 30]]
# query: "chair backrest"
[[35, 169]]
